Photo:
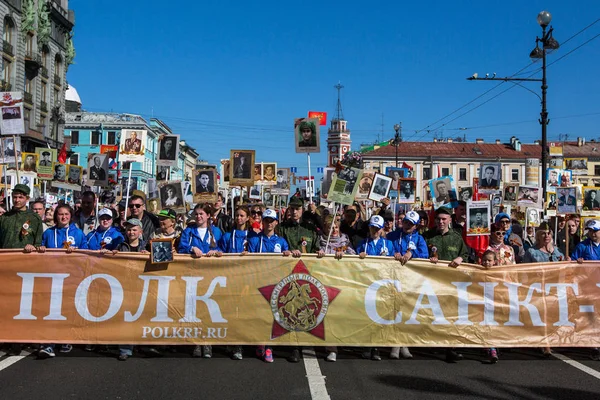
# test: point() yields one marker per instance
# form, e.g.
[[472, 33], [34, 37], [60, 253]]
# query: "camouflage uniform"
[[14, 234]]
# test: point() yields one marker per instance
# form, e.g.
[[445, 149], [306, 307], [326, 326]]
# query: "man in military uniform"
[[302, 238], [20, 228], [446, 244]]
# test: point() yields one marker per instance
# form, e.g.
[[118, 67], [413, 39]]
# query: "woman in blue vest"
[[63, 235], [201, 239]]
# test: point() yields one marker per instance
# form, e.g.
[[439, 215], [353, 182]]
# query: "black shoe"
[[152, 352], [452, 356], [595, 354], [375, 355], [15, 349], [122, 357], [295, 357]]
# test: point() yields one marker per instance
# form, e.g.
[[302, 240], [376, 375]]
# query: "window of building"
[[74, 160], [112, 138], [45, 54], [27, 118], [462, 174], [514, 175], [445, 171], [57, 70], [596, 170], [96, 137], [427, 173], [44, 91], [74, 137], [29, 45], [56, 97]]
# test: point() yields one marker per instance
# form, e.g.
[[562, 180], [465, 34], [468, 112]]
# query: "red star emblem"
[[299, 303]]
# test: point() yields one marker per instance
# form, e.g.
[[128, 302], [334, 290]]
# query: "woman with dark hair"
[[63, 235], [172, 200], [201, 239]]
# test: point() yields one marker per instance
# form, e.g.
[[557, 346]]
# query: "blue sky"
[[234, 74]]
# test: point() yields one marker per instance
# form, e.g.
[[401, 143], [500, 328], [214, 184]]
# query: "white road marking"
[[8, 361], [316, 380], [578, 365]]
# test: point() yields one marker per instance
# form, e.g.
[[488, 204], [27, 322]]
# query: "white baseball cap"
[[412, 216], [105, 211], [376, 220], [593, 225], [268, 213]]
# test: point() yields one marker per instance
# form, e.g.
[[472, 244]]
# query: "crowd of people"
[[211, 230]]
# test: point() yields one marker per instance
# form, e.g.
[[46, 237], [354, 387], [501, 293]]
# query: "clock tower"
[[338, 135]]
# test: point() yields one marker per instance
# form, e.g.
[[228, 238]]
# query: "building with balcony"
[[462, 160], [87, 131], [37, 49]]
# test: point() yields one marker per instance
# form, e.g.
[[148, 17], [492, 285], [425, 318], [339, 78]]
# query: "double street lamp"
[[548, 44]]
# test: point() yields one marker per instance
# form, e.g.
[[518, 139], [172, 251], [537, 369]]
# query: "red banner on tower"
[[321, 116]]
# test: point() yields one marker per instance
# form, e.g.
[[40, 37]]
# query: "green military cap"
[[296, 202], [22, 189]]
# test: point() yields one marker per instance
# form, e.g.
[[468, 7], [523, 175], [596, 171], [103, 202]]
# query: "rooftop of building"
[[477, 149]]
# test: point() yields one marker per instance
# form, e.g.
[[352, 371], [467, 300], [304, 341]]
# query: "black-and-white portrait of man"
[[168, 150]]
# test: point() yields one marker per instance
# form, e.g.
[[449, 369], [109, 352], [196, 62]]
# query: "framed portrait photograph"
[[129, 185], [225, 170], [132, 145], [528, 196], [443, 191], [254, 192], [328, 174], [551, 201], [269, 173], [396, 173], [556, 162], [478, 218], [406, 190], [46, 159], [532, 215], [380, 187], [161, 251], [168, 150], [268, 198], [490, 176], [11, 150], [205, 187], [29, 162], [553, 176], [13, 122], [307, 135], [74, 174], [171, 195], [510, 194], [566, 178], [162, 173], [465, 193], [591, 202], [566, 200], [282, 186], [365, 184], [345, 185], [60, 172], [241, 171], [97, 170], [579, 164], [152, 189], [25, 178]]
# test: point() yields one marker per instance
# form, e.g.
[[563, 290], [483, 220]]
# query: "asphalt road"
[[520, 374]]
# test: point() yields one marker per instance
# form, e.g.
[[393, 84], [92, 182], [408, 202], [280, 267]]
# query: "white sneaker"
[[405, 353], [395, 353], [332, 356]]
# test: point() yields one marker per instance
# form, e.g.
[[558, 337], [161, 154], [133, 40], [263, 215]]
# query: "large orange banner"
[[85, 297]]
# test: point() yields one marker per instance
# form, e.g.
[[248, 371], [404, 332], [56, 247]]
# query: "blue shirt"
[[586, 250], [267, 244], [191, 238], [111, 237], [236, 241], [403, 241], [533, 255], [54, 238], [383, 247]]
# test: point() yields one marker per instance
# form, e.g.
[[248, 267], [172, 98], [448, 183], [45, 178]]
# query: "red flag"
[[321, 116], [439, 171], [405, 165], [62, 155]]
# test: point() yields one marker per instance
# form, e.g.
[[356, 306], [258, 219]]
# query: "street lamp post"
[[548, 44], [397, 140]]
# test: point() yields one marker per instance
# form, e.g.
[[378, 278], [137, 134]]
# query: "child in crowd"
[[488, 260]]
